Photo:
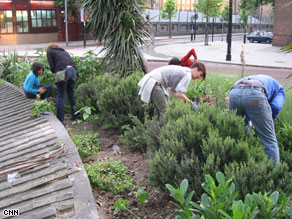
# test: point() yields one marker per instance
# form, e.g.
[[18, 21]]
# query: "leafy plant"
[[86, 112], [87, 144], [219, 201], [184, 208], [14, 68], [122, 204], [41, 106], [142, 195], [109, 175]]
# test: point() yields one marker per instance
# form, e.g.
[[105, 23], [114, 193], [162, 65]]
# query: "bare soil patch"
[[157, 206]]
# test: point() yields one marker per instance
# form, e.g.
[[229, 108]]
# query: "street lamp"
[[66, 23], [228, 56]]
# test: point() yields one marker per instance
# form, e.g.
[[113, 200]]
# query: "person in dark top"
[[31, 86], [60, 60]]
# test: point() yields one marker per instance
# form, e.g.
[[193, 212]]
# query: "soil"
[[158, 204]]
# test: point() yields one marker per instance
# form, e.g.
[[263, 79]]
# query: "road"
[[214, 68]]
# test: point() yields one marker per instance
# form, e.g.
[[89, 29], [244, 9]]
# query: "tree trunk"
[[170, 28], [206, 31]]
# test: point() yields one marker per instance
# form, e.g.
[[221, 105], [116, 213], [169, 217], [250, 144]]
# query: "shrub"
[[109, 176], [138, 135], [14, 68], [41, 106], [114, 98], [193, 143], [87, 144]]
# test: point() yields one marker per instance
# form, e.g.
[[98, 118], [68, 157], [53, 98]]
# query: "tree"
[[120, 26], [168, 11], [243, 16], [210, 8]]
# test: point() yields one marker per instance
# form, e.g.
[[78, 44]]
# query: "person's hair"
[[174, 61], [36, 66], [201, 67], [52, 45]]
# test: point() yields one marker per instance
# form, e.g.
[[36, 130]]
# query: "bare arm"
[[181, 96]]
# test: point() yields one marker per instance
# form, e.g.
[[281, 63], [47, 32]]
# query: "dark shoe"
[[74, 117]]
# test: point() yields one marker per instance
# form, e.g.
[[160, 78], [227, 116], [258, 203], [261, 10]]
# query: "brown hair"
[[52, 45], [201, 67], [174, 61]]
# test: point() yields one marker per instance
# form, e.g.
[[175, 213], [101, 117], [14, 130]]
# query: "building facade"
[[282, 23], [34, 21]]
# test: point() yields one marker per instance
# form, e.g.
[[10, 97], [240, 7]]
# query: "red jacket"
[[185, 61]]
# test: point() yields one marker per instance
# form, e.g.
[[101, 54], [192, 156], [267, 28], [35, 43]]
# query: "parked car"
[[260, 36]]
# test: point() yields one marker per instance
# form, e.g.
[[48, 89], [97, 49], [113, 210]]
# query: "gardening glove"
[[194, 106]]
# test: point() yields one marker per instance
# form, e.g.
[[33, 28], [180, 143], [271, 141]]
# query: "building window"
[[22, 21], [43, 18], [6, 23]]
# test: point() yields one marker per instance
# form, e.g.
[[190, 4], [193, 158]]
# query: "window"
[[22, 21], [6, 23], [43, 18]]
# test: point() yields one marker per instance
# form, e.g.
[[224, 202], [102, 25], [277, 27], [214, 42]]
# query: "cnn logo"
[[11, 212]]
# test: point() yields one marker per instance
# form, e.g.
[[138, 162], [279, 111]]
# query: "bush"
[[87, 144], [193, 143], [41, 106], [109, 176], [114, 98]]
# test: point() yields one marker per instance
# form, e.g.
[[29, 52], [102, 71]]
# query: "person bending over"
[[260, 98], [155, 83]]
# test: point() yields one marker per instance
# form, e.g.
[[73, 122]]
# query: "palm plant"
[[119, 24]]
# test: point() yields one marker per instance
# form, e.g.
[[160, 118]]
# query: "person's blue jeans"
[[45, 95], [62, 87], [254, 104]]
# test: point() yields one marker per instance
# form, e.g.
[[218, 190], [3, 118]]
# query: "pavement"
[[255, 54]]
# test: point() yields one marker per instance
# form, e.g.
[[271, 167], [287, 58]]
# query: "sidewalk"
[[256, 54]]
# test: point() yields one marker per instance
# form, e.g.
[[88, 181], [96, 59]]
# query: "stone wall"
[[181, 28], [283, 23]]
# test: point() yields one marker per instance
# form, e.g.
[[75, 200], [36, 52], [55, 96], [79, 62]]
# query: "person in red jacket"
[[184, 61]]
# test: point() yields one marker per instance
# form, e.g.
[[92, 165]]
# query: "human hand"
[[41, 90], [194, 105], [38, 96]]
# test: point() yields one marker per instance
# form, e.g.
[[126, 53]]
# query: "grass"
[[1, 81], [285, 115]]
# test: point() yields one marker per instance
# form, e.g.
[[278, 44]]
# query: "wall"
[[14, 39], [282, 23], [183, 28]]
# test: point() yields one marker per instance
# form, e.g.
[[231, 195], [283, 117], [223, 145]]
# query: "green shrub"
[[41, 106], [109, 176], [140, 135], [14, 68], [193, 143], [87, 144], [114, 98]]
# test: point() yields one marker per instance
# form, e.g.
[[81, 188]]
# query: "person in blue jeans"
[[31, 86], [260, 98], [60, 60]]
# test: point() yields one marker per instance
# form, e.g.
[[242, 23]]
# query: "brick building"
[[282, 23], [35, 21]]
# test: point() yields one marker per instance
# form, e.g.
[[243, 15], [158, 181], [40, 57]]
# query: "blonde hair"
[[52, 45]]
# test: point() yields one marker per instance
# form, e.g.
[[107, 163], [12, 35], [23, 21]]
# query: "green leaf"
[[220, 178], [224, 214], [274, 197], [184, 186]]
